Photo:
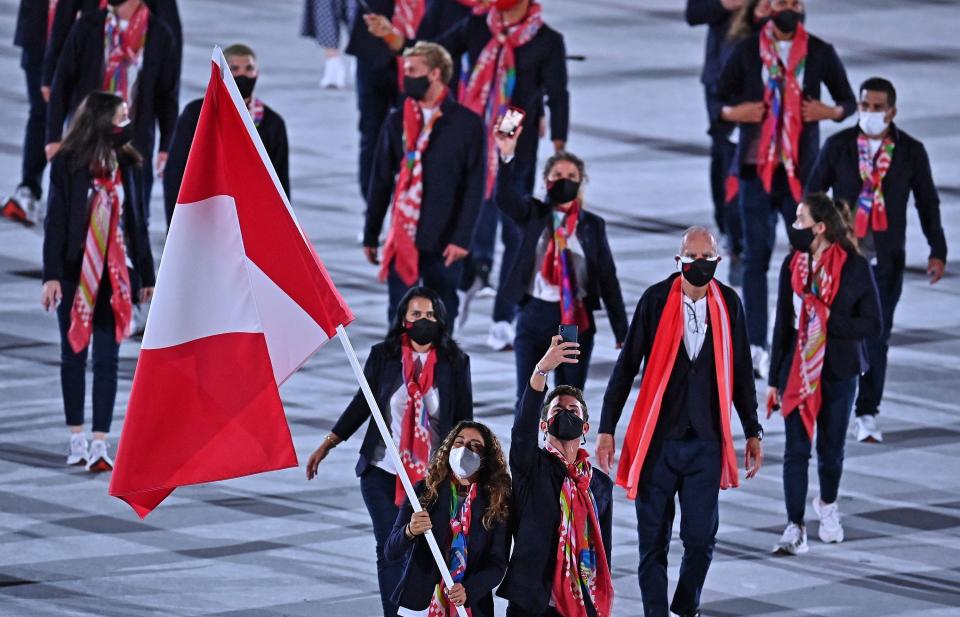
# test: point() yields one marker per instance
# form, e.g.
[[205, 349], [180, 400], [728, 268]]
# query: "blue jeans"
[[537, 323], [379, 489], [690, 468], [759, 211], [73, 366], [436, 276], [831, 432], [377, 93], [889, 278], [34, 159]]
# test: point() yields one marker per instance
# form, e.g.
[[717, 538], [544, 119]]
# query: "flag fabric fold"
[[242, 301]]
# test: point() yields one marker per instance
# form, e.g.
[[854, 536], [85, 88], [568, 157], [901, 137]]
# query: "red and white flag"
[[242, 301]]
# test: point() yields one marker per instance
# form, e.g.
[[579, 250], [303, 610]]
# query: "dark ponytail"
[[836, 216]]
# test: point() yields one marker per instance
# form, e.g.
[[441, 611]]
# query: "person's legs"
[[699, 520], [832, 423], [376, 94], [655, 510], [796, 459], [396, 289], [889, 279], [536, 323], [443, 280], [105, 359], [504, 310], [576, 374], [72, 365], [34, 159], [482, 243], [378, 489], [759, 221]]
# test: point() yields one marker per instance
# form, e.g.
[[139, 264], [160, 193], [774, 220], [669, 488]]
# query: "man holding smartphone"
[[689, 333]]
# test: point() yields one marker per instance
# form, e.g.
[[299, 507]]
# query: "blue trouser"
[[537, 323], [889, 279], [377, 93], [73, 366], [831, 432], [689, 468], [379, 490], [436, 276], [722, 150], [759, 211], [34, 158]]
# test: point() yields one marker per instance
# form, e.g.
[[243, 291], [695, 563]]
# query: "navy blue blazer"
[[487, 551], [369, 50], [384, 372], [838, 168], [535, 513], [741, 81], [453, 175], [854, 317], [535, 217], [31, 30], [541, 70], [68, 218], [712, 14], [80, 72], [272, 130], [66, 15]]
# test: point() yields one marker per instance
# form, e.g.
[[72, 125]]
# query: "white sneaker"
[[334, 73], [830, 528], [868, 429], [501, 335], [79, 450], [23, 207], [793, 541], [99, 458], [761, 361]]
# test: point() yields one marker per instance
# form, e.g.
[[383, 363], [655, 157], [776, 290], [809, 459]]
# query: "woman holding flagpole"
[[827, 307], [465, 499], [96, 262], [421, 380]]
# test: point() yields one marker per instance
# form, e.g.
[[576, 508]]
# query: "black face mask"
[[700, 272], [786, 21], [245, 85], [802, 239], [416, 87], [566, 425], [563, 191], [121, 135], [424, 331]]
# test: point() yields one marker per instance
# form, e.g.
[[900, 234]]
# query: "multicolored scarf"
[[557, 267], [488, 91], [124, 50], [871, 207], [401, 248], [460, 516], [582, 570], [803, 389], [415, 430], [646, 412], [783, 97], [104, 245], [407, 15], [255, 107]]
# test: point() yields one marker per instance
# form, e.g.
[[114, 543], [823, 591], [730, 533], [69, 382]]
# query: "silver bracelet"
[[536, 367]]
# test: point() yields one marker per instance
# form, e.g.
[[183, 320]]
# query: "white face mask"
[[872, 122], [464, 462]]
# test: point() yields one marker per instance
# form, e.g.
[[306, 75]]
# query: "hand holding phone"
[[510, 121], [568, 332]]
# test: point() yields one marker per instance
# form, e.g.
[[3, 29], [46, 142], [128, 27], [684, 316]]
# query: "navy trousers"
[[377, 93], [537, 323], [34, 158], [889, 278], [726, 214], [433, 274], [379, 489]]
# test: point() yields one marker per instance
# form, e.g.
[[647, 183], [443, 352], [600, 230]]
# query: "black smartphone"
[[568, 332]]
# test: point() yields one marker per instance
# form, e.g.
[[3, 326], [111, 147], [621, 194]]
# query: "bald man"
[[689, 332]]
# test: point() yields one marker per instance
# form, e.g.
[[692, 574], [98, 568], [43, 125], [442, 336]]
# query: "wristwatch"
[[759, 434]]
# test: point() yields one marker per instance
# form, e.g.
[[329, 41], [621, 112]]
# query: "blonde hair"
[[435, 56]]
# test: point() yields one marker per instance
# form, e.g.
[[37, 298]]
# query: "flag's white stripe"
[[203, 286]]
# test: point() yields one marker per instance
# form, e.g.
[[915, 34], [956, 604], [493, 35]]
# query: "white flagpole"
[[394, 455]]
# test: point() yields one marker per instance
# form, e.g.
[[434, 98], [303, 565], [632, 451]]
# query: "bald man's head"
[[697, 242]]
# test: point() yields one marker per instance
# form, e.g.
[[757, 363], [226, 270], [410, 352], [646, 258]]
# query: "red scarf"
[[407, 15], [401, 248], [124, 49], [581, 560], [803, 389], [871, 207], [255, 107], [490, 87], [415, 432], [104, 244], [479, 7], [783, 97], [557, 268], [656, 375], [52, 13], [460, 517]]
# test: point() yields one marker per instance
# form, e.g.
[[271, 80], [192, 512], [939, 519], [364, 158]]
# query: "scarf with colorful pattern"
[[460, 516], [557, 267], [124, 50], [415, 432], [871, 207]]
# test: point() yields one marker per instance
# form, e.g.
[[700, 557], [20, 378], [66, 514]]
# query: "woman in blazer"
[[420, 377], [465, 500], [827, 308], [563, 265], [95, 241]]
